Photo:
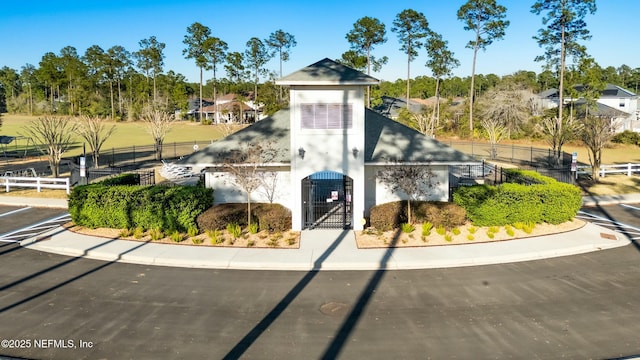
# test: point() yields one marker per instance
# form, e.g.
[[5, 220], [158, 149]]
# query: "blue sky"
[[29, 31]]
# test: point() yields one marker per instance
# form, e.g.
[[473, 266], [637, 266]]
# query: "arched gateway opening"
[[327, 201]]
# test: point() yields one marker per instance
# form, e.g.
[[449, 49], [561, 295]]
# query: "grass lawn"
[[135, 133], [126, 133]]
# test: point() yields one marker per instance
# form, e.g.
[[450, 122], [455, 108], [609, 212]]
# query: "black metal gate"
[[327, 201]]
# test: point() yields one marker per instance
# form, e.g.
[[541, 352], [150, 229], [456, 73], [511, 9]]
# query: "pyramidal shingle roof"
[[327, 72], [385, 140]]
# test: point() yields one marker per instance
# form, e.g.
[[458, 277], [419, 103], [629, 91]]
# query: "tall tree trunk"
[[200, 106], [408, 73], [472, 89], [561, 94], [113, 109]]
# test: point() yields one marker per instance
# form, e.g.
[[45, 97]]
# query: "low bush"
[[129, 206], [269, 217], [545, 200], [627, 137], [391, 215]]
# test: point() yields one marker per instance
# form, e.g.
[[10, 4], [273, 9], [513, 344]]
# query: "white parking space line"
[[14, 211], [630, 207], [34, 229], [607, 222]]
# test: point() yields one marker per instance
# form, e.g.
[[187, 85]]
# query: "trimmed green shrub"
[[627, 137], [147, 207], [546, 200]]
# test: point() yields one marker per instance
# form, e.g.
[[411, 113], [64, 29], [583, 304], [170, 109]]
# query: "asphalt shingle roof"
[[327, 72], [385, 140]]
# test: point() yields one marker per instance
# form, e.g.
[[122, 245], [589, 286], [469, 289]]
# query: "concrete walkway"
[[324, 249]]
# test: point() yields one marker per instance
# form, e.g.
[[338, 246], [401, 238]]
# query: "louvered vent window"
[[327, 116]]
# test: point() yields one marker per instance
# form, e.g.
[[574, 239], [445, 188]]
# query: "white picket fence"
[[627, 169], [35, 182]]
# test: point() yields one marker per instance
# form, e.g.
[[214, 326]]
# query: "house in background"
[[619, 105], [230, 107], [330, 148]]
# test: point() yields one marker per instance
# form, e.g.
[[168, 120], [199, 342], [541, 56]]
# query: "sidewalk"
[[324, 249]]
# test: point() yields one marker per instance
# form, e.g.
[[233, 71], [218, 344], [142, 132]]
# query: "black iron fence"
[[136, 154], [495, 174], [145, 176], [514, 154]]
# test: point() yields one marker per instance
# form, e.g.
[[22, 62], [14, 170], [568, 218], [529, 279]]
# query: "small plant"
[[197, 240], [424, 238], [138, 232], [192, 231], [251, 243], [456, 231], [494, 229], [472, 230], [510, 231], [215, 236], [235, 230], [491, 235], [156, 234], [176, 236], [126, 232], [253, 228], [470, 237], [519, 225], [528, 227], [426, 228], [274, 241], [440, 230], [407, 228], [448, 237], [291, 241]]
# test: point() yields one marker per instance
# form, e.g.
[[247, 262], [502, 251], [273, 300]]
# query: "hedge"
[[270, 217], [167, 208], [390, 215], [545, 201]]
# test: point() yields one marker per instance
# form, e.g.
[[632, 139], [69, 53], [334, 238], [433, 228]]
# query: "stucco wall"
[[330, 150], [226, 191], [377, 193]]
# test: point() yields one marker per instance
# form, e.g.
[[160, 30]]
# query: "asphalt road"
[[576, 307]]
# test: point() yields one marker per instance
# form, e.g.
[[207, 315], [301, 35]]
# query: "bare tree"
[[412, 180], [508, 104], [595, 133], [246, 167], [496, 131], [94, 130], [55, 134], [158, 125], [557, 133], [269, 182]]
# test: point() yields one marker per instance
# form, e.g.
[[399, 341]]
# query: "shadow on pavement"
[[58, 266]]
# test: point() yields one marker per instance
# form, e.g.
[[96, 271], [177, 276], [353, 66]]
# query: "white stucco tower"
[[327, 112]]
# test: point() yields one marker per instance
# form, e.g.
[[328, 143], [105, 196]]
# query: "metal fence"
[[521, 155], [132, 155], [145, 176]]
